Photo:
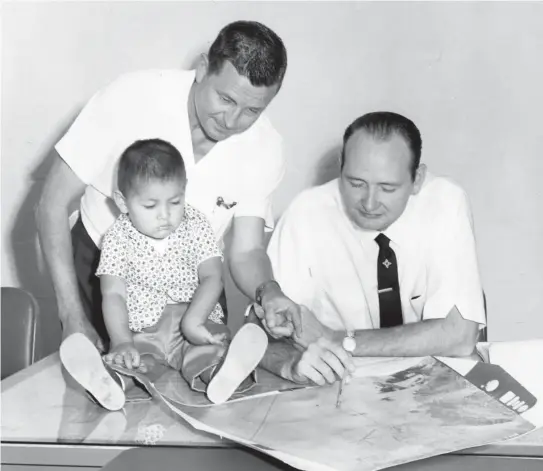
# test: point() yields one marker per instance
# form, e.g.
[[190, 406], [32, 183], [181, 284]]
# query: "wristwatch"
[[260, 291], [349, 343]]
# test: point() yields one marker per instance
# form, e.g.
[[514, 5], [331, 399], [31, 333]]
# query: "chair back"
[[19, 318]]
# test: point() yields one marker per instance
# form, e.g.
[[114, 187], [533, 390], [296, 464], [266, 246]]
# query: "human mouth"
[[223, 129], [369, 215]]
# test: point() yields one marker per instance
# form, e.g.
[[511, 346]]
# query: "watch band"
[[260, 291]]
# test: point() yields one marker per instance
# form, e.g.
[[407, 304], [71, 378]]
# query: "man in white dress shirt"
[[215, 117], [415, 291]]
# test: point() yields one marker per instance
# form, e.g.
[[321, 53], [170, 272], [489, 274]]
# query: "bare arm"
[[62, 186], [115, 310], [452, 336], [320, 358], [122, 350], [248, 260], [250, 267], [203, 301], [209, 290]]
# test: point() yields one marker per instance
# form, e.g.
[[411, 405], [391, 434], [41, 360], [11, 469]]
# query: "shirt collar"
[[127, 226], [399, 232], [409, 225]]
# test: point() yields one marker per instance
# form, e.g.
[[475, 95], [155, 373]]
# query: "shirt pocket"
[[222, 213], [417, 302]]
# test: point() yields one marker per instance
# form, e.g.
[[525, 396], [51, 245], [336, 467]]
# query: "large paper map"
[[393, 411]]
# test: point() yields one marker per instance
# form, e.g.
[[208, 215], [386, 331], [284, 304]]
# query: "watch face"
[[349, 344]]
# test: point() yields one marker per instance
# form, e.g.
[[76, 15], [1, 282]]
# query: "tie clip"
[[384, 290]]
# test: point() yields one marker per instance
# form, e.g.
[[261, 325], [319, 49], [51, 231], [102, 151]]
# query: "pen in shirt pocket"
[[222, 203]]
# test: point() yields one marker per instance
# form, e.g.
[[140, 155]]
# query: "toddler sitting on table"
[[161, 278]]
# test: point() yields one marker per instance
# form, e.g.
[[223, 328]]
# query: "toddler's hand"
[[124, 354], [197, 334]]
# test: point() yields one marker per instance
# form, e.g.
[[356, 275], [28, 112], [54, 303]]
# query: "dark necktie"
[[390, 306]]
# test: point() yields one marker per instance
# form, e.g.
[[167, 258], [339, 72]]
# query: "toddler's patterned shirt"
[[151, 277]]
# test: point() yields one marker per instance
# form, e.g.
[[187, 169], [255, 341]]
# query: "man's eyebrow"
[[350, 177], [357, 179], [226, 95]]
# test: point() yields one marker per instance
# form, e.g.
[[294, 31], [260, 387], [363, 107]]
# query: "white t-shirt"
[[245, 168], [322, 260]]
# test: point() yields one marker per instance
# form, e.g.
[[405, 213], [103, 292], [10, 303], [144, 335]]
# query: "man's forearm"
[[431, 337], [56, 245], [249, 270]]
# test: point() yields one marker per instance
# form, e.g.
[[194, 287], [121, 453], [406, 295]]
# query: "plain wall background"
[[469, 74]]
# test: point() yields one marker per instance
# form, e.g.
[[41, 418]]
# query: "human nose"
[[371, 200], [231, 118], [163, 213]]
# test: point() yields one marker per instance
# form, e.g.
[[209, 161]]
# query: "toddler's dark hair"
[[149, 159]]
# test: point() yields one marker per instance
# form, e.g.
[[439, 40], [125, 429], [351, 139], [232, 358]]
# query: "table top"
[[42, 405]]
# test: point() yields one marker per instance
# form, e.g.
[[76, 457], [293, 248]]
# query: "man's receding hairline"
[[380, 137]]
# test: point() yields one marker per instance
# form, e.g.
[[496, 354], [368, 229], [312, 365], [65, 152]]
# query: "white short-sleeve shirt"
[[322, 260], [244, 169]]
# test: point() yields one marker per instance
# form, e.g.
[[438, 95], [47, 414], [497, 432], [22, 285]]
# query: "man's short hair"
[[146, 160], [383, 125], [253, 49]]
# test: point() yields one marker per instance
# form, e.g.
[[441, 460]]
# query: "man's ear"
[[202, 68], [120, 201], [420, 175]]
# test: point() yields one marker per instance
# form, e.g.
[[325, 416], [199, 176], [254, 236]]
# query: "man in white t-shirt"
[[215, 116], [383, 257]]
